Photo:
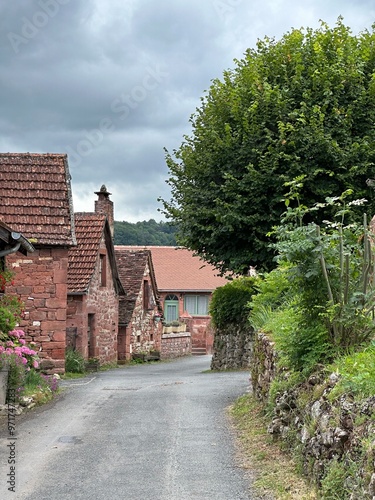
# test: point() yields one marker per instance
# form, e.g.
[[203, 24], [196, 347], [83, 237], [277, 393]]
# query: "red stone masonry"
[[94, 288], [138, 330], [36, 200]]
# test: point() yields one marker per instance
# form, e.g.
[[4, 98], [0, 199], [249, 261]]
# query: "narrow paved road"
[[155, 431]]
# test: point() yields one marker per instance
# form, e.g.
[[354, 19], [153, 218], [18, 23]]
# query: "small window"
[[103, 270], [146, 295], [196, 305]]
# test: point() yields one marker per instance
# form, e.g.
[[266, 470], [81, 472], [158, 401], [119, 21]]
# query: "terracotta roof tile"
[[131, 265], [83, 257], [35, 197], [177, 269]]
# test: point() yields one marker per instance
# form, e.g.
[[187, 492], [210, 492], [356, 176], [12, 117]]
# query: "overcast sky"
[[114, 82]]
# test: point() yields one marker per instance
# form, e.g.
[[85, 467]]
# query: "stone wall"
[[233, 347], [175, 345], [40, 280], [319, 429], [263, 366], [101, 302], [144, 333]]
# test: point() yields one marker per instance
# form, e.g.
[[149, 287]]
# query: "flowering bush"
[[13, 345]]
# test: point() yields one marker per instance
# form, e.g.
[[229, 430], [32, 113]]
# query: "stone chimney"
[[103, 205]]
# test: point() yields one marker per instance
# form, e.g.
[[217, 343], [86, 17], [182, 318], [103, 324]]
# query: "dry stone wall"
[[233, 347], [322, 430]]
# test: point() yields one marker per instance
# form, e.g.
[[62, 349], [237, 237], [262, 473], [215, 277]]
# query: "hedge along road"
[[157, 431]]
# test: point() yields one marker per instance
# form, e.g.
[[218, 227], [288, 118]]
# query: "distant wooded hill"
[[145, 233]]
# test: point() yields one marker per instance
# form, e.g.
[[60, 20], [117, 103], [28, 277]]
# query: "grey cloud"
[[112, 83]]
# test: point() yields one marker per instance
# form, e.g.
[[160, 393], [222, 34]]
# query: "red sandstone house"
[[94, 286], [140, 312], [36, 200], [185, 284]]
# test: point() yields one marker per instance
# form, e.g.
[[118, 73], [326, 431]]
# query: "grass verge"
[[275, 473]]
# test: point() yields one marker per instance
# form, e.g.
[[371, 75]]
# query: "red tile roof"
[[131, 265], [177, 269], [90, 229], [83, 258], [35, 197]]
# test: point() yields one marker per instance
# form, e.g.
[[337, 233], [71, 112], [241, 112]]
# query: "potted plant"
[[167, 328], [175, 326]]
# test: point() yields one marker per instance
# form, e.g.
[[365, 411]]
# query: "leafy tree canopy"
[[145, 233], [301, 106]]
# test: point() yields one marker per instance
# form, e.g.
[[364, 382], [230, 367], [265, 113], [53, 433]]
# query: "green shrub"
[[229, 304], [357, 373], [301, 342], [33, 379], [74, 361], [271, 293], [330, 268], [342, 481]]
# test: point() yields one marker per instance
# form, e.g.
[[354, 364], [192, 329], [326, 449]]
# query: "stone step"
[[198, 351]]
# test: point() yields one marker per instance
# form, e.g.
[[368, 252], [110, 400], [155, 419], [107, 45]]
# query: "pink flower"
[[15, 346]]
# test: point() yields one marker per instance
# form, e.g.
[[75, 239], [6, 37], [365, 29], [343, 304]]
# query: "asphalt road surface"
[[148, 432]]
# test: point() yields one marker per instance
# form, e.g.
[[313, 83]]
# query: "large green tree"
[[301, 106]]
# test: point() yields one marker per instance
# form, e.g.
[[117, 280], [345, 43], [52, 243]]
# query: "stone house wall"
[[40, 281], [143, 332], [102, 303], [175, 345], [232, 348]]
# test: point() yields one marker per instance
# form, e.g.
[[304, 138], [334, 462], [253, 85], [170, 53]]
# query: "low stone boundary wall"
[[263, 366], [321, 430], [233, 348], [174, 345]]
